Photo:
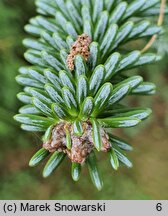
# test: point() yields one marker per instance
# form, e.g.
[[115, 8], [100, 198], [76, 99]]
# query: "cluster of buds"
[[81, 145]]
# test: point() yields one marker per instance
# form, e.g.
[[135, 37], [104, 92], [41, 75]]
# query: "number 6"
[[159, 207]]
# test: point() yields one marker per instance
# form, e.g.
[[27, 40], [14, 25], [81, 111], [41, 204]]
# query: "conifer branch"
[[74, 89]]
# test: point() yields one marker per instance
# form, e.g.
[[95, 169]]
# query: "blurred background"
[[148, 179]]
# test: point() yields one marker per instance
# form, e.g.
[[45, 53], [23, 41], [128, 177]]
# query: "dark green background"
[[148, 179]]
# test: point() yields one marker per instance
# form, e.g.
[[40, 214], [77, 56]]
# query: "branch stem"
[[159, 23]]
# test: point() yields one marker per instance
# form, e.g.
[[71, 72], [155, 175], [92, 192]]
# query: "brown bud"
[[81, 47]]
